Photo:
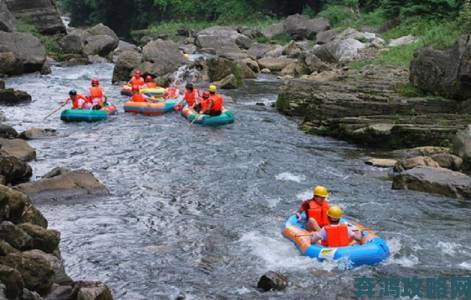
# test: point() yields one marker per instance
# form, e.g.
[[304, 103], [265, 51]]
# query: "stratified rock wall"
[[43, 14]]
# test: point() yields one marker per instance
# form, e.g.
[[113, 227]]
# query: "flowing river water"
[[197, 212]]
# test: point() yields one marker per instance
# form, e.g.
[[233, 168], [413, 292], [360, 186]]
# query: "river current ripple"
[[197, 211]]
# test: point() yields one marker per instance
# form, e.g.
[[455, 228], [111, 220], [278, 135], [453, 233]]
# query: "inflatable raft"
[[126, 90], [149, 108], [371, 251], [88, 115], [227, 117]]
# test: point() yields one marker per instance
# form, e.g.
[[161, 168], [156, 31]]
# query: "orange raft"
[[149, 108], [371, 251]]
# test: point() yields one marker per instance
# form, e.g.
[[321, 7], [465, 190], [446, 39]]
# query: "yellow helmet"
[[320, 191], [335, 212], [212, 88]]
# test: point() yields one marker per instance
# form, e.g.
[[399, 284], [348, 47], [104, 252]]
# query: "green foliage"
[[465, 16], [408, 90], [337, 14], [427, 8], [281, 38]]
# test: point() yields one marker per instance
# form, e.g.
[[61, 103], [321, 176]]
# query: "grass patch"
[[408, 90]]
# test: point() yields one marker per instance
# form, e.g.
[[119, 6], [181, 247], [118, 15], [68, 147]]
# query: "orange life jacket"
[[204, 105], [79, 101], [138, 97], [151, 85], [172, 92], [337, 236], [191, 97], [217, 103], [318, 212], [96, 95], [139, 81]]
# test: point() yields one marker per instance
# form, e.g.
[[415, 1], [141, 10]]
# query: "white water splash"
[[465, 265], [395, 246], [307, 194], [281, 254], [286, 176], [449, 248]]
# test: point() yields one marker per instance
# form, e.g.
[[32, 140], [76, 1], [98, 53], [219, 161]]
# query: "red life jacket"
[[138, 97], [204, 105], [96, 95], [190, 97], [318, 212], [217, 102], [151, 85], [337, 236], [172, 93]]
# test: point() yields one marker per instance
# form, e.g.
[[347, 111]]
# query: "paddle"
[[198, 116], [56, 110]]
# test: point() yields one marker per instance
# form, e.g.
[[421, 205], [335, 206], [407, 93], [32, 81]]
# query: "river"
[[197, 211]]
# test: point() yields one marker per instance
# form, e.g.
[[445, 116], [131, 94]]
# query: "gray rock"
[[43, 239], [6, 248], [444, 72], [219, 68], [37, 133], [12, 97], [403, 40], [13, 282], [79, 183], [71, 43], [302, 27], [15, 236], [315, 64], [251, 33], [30, 295], [163, 56], [292, 50], [13, 170], [7, 20], [275, 64], [12, 203], [9, 64], [27, 49], [344, 50], [125, 64], [434, 180], [277, 51], [419, 151], [43, 14], [18, 148], [325, 37], [243, 42], [462, 145], [272, 281], [381, 162], [100, 29], [56, 264], [447, 160], [101, 45], [36, 271], [410, 163], [228, 82], [93, 291], [123, 46], [32, 215], [7, 132], [220, 38]]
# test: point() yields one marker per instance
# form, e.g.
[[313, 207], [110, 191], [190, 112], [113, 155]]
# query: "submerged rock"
[[7, 132], [12, 97], [434, 180], [71, 184], [37, 133], [272, 281]]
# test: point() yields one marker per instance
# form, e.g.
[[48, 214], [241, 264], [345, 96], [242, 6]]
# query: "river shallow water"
[[197, 211]]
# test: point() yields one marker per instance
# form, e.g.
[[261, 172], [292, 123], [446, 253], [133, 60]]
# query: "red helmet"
[[135, 88], [149, 78], [95, 82], [205, 94]]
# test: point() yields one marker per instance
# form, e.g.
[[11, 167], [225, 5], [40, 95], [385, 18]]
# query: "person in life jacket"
[[78, 101], [204, 102], [150, 83], [315, 209], [337, 234], [191, 95], [137, 79], [96, 95], [216, 104], [137, 95], [171, 93]]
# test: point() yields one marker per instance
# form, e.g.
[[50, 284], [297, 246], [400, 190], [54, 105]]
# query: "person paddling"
[[137, 79], [78, 101], [315, 209], [150, 83], [191, 95], [137, 96], [96, 95], [336, 234], [214, 107]]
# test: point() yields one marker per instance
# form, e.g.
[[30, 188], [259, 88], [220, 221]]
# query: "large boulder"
[[220, 68], [126, 62], [46, 240], [410, 163], [462, 145], [56, 264], [64, 185], [43, 14], [343, 50], [18, 148], [101, 45], [7, 132], [403, 40], [224, 40], [434, 180], [36, 271], [93, 291], [302, 27], [164, 57], [12, 204], [100, 29], [13, 282], [15, 236], [9, 64], [13, 170], [228, 82], [12, 97], [275, 64], [71, 43], [444, 72], [273, 30], [7, 20], [258, 50], [447, 160], [27, 49]]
